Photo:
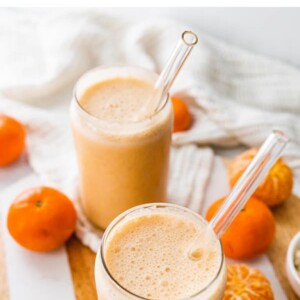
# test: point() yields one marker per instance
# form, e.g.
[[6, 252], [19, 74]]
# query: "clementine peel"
[[245, 283], [277, 185]]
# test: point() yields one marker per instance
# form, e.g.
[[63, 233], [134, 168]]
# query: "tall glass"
[[109, 287], [121, 164]]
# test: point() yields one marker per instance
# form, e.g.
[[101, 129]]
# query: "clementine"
[[277, 185], [182, 115], [250, 233], [12, 139], [245, 283], [41, 219]]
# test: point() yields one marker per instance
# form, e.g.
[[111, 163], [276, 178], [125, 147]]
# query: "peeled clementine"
[[245, 283], [41, 219], [12, 139], [250, 233], [275, 188], [182, 116]]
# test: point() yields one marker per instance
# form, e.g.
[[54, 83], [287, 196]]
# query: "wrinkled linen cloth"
[[236, 97]]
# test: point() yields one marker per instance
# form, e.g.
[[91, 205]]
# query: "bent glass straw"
[[259, 167], [183, 49]]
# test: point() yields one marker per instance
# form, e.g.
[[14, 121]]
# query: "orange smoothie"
[[122, 152], [162, 253]]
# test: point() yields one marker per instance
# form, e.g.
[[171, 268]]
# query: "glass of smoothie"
[[147, 253], [122, 149]]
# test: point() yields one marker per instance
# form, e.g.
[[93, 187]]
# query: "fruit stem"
[[38, 203]]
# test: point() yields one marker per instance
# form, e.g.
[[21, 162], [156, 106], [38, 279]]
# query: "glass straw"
[[163, 84], [259, 167]]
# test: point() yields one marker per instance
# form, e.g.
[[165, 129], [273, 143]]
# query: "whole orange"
[[277, 185], [182, 115], [12, 139], [41, 219], [245, 283], [250, 233]]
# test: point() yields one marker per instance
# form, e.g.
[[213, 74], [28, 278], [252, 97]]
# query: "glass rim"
[[113, 122], [155, 205]]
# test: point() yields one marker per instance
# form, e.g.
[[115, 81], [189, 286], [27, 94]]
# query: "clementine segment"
[[250, 233], [245, 283], [275, 188], [41, 219], [12, 139], [182, 116]]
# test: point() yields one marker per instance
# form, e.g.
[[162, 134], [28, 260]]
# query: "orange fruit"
[[250, 233], [275, 188], [245, 283], [182, 116], [41, 219], [12, 139]]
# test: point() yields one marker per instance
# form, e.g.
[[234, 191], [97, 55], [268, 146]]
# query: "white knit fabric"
[[235, 96]]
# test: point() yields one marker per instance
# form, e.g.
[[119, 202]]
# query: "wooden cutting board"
[[288, 224], [82, 258]]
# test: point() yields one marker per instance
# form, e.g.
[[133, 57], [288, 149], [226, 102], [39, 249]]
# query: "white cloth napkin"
[[239, 97], [235, 97]]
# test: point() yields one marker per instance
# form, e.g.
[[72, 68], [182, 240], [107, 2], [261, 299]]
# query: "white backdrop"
[[270, 31]]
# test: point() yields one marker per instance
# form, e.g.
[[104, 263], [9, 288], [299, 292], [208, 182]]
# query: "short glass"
[[108, 288], [121, 164]]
